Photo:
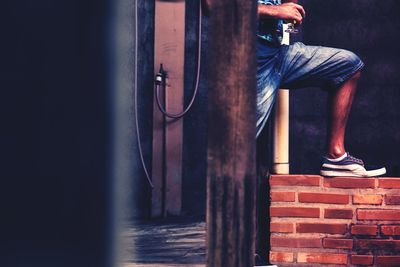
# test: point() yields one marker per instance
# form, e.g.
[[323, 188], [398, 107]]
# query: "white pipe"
[[281, 133], [281, 126]]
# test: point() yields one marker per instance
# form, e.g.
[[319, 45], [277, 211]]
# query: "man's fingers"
[[292, 11], [300, 9], [298, 17]]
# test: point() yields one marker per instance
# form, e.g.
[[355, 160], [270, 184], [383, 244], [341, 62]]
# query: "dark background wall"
[[195, 124], [140, 191]]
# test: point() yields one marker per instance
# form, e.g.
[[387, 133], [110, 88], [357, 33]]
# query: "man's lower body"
[[297, 66]]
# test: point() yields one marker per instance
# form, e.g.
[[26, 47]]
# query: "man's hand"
[[286, 11]]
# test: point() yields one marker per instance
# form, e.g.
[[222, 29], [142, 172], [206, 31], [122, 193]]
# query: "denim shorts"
[[296, 66]]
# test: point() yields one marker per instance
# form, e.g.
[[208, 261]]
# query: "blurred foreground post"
[[231, 181]]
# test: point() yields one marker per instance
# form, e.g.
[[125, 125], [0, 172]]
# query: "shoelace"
[[359, 161]]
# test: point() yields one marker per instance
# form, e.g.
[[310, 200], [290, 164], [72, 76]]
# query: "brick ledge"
[[318, 221]]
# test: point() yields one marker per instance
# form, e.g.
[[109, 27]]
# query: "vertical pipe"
[[231, 181], [281, 133], [281, 128]]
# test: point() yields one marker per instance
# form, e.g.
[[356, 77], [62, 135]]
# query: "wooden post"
[[231, 181]]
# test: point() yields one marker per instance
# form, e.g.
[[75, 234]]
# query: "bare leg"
[[339, 109]]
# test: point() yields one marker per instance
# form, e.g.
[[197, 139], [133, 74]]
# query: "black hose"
[[196, 88], [157, 93]]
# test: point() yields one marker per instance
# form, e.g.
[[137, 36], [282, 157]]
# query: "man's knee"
[[351, 59], [350, 63]]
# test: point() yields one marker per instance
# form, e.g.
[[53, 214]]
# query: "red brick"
[[380, 215], [328, 258], [280, 257], [281, 227], [362, 259], [343, 182], [364, 230], [323, 198], [282, 196], [367, 199], [390, 229], [289, 242], [321, 228], [378, 244], [294, 212], [338, 213], [388, 261], [338, 243], [294, 180], [392, 200], [389, 182]]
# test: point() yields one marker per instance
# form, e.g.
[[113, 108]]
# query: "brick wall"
[[334, 221]]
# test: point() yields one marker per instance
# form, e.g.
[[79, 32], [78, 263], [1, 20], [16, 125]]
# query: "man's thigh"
[[268, 81], [304, 66]]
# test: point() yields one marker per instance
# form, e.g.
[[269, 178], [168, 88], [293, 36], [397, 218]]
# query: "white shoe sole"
[[372, 173]]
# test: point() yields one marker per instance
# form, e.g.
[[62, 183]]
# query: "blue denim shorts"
[[296, 66]]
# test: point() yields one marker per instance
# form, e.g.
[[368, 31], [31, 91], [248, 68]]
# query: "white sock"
[[339, 158]]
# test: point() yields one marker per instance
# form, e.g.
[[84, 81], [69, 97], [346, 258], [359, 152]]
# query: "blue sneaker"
[[349, 166]]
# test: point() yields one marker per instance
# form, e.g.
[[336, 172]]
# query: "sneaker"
[[349, 166]]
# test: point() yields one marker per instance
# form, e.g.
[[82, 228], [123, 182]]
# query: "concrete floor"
[[170, 242]]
